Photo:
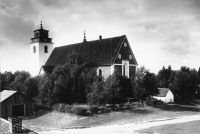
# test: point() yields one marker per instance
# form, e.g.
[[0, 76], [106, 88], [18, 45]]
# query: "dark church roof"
[[101, 52]]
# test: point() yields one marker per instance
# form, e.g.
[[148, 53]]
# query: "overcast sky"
[[160, 32]]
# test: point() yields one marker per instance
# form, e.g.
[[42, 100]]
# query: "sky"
[[161, 33]]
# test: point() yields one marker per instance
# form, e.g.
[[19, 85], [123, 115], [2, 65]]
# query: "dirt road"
[[125, 128]]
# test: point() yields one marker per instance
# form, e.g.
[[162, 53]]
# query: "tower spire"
[[41, 24], [84, 40]]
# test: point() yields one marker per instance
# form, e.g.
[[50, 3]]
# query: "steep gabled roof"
[[100, 52], [6, 94], [162, 92]]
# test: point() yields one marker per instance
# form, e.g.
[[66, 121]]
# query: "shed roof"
[[162, 92], [6, 94]]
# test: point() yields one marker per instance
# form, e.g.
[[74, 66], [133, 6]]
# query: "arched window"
[[46, 49], [100, 73], [34, 49]]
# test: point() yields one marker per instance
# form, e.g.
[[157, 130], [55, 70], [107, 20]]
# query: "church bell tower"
[[41, 47]]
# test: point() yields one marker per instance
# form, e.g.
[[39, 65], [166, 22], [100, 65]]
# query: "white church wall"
[[34, 59], [44, 56], [106, 71], [39, 58]]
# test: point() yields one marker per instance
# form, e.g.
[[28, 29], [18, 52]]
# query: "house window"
[[34, 49], [46, 49], [18, 110], [100, 73]]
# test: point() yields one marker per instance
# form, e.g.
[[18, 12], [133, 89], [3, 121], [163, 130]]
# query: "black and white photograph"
[[99, 66]]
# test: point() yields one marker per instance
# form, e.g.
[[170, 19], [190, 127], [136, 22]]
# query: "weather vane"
[[84, 34], [41, 24]]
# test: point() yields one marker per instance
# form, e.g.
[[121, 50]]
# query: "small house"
[[14, 103], [165, 95]]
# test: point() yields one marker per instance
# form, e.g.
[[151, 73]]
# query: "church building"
[[108, 55]]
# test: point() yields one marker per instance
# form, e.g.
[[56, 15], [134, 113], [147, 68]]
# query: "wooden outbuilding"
[[165, 95], [13, 103]]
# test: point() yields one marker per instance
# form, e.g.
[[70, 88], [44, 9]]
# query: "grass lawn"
[[46, 120], [181, 128]]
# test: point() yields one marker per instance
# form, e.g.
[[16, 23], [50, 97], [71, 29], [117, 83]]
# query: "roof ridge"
[[90, 41]]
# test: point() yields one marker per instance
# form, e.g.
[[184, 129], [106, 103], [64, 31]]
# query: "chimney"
[[100, 37]]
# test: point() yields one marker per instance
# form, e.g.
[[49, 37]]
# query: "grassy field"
[[181, 128], [46, 120]]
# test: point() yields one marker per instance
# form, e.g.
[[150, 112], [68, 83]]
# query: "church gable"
[[125, 53]]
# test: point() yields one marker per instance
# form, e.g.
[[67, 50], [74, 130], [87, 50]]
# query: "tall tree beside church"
[[31, 87], [117, 88], [150, 84], [165, 77], [19, 83], [46, 93], [144, 83], [66, 81], [185, 84], [6, 79], [137, 82], [63, 83]]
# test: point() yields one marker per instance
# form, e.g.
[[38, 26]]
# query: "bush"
[[153, 102], [43, 107], [93, 109], [61, 107], [79, 111]]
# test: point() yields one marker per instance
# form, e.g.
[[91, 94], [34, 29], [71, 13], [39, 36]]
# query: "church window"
[[46, 49], [100, 73], [130, 57], [119, 56], [34, 49], [125, 45]]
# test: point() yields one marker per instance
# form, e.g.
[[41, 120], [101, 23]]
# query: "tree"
[[118, 87], [6, 79], [165, 77], [46, 90], [150, 84], [66, 83], [19, 81], [144, 83], [63, 83], [98, 95], [185, 84], [137, 82], [199, 76], [31, 87]]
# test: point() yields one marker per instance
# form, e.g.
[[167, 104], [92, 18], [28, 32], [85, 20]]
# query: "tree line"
[[77, 82]]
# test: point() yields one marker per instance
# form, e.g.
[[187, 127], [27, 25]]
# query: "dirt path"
[[126, 128]]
